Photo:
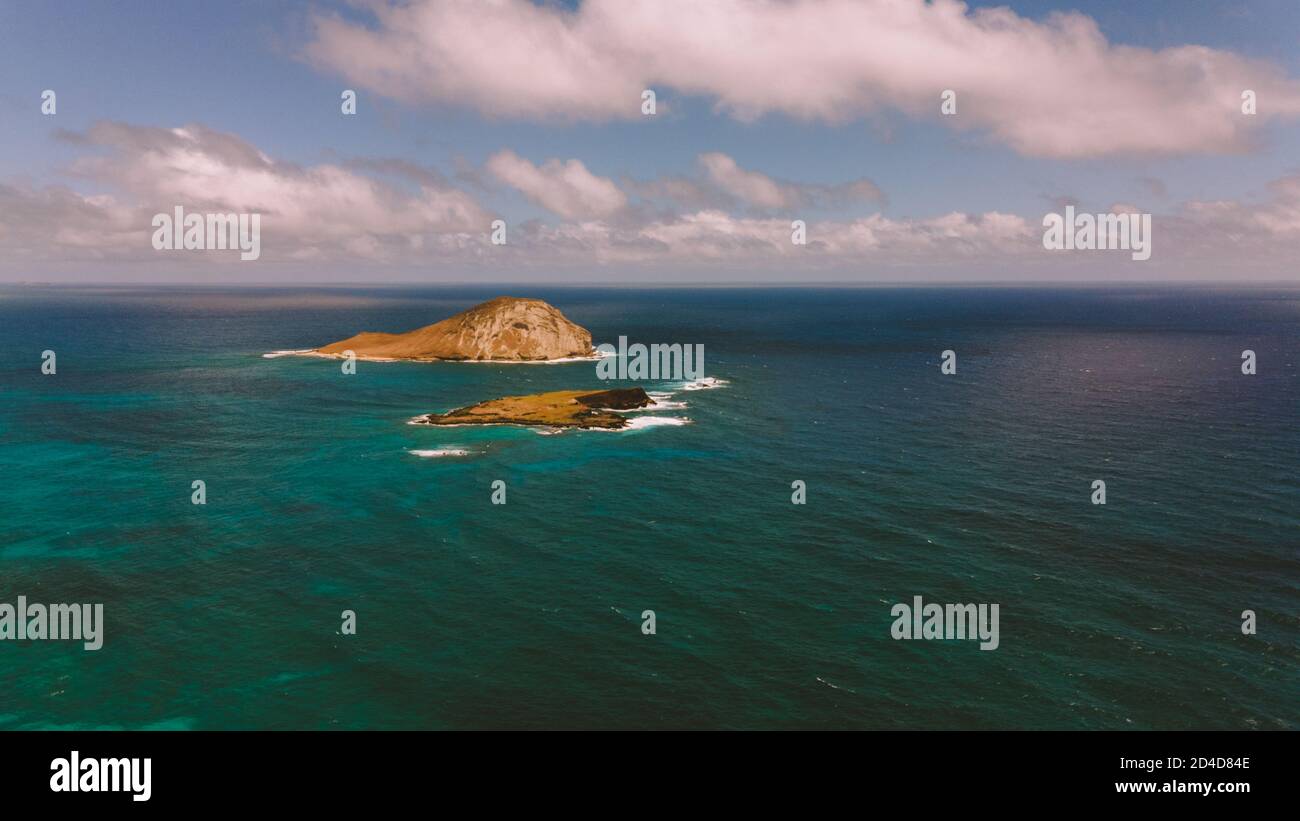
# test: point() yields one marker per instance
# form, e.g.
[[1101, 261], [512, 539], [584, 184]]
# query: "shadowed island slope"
[[510, 329], [557, 409]]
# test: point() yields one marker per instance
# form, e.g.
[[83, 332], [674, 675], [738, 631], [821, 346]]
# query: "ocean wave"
[[278, 354], [435, 453], [659, 405], [643, 422], [317, 354], [833, 687], [705, 384]]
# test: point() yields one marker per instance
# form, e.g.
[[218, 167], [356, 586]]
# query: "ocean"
[[971, 487]]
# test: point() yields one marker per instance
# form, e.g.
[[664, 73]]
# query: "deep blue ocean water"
[[973, 487]]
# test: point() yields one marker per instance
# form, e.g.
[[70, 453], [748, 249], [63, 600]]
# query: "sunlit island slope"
[[505, 329], [557, 409]]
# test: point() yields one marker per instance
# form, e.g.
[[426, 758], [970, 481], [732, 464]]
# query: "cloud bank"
[[385, 214]]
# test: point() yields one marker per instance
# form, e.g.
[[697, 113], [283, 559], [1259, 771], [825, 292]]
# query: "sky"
[[767, 112]]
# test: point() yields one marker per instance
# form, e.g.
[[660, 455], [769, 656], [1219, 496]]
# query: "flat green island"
[[558, 409]]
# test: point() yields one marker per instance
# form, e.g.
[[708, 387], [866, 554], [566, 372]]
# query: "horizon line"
[[825, 284]]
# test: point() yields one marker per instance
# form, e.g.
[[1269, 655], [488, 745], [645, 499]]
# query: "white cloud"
[[565, 188], [319, 207], [747, 186], [1055, 87], [759, 190]]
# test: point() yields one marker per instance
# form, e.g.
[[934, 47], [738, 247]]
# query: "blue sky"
[[241, 68]]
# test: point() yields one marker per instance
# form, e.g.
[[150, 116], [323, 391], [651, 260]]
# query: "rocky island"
[[558, 409], [505, 329]]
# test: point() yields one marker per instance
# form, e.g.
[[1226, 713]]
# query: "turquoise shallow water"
[[965, 488]]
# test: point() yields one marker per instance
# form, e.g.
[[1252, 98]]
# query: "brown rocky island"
[[557, 409], [505, 329]]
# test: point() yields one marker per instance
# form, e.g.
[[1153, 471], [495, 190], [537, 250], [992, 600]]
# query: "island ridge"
[[508, 329]]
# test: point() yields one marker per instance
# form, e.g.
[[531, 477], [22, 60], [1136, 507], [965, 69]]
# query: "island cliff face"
[[559, 409], [505, 328]]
